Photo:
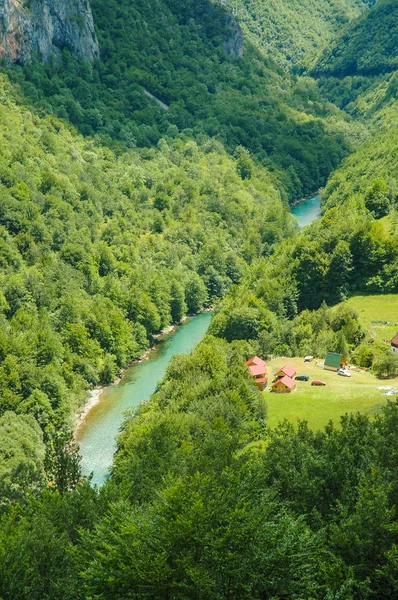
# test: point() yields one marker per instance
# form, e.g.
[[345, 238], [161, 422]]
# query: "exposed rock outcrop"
[[46, 27], [234, 43]]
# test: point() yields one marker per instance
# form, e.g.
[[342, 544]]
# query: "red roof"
[[287, 370], [261, 379], [394, 341], [256, 370], [255, 361], [286, 381]]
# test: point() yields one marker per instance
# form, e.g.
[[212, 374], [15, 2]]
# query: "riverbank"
[[98, 431], [94, 396], [306, 199]]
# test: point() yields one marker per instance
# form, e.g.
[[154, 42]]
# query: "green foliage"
[[86, 277], [177, 55], [311, 332], [103, 246], [22, 454], [36, 562], [366, 47], [377, 199], [386, 366], [292, 32]]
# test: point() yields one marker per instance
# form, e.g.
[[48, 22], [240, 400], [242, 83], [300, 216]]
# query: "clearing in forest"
[[378, 314], [319, 405]]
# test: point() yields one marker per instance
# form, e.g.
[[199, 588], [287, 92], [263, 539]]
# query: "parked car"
[[308, 358], [301, 378], [344, 372], [317, 382]]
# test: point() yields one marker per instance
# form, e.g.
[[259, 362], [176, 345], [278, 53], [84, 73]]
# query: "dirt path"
[[161, 104]]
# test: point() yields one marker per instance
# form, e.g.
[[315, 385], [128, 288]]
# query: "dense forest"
[[177, 53], [365, 47], [294, 32], [154, 183], [205, 502]]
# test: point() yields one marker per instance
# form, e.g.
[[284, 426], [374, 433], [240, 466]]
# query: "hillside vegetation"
[[205, 502], [368, 46], [177, 53], [152, 184], [293, 32], [98, 252]]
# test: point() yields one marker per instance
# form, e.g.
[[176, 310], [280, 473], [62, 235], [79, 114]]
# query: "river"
[[307, 211], [97, 434]]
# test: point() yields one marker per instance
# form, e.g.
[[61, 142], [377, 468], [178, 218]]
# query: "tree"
[[196, 296], [177, 302], [237, 324], [244, 166], [22, 454], [377, 198], [387, 366]]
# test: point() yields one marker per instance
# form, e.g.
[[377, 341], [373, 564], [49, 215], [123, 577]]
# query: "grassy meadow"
[[375, 308], [319, 405]]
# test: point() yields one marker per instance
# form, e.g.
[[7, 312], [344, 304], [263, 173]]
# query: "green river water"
[[97, 434], [307, 211]]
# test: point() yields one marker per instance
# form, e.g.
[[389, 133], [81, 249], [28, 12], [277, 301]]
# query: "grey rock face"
[[46, 27], [234, 44]]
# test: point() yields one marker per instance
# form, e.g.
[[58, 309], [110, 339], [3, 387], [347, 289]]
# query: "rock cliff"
[[234, 43], [45, 27]]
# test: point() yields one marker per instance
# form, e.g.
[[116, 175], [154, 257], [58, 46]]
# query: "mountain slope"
[[44, 28], [291, 32], [99, 252], [179, 53], [367, 46]]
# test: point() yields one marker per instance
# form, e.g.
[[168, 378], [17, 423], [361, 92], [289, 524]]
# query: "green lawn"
[[377, 308], [319, 405]]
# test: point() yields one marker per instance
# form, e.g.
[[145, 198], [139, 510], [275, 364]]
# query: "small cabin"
[[258, 370], [286, 371], [255, 361], [284, 385], [394, 344], [334, 361], [261, 383]]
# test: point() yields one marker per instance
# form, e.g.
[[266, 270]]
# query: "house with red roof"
[[259, 371], [286, 371], [255, 361], [394, 344], [284, 385]]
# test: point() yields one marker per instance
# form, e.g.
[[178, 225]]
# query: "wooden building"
[[284, 385], [286, 371], [394, 344], [334, 361], [255, 361], [258, 370]]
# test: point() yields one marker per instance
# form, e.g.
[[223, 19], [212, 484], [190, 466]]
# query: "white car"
[[344, 372]]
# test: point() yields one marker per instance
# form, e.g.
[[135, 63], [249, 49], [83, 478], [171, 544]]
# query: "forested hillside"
[[204, 502], [368, 46], [98, 253], [178, 54], [154, 183], [294, 32]]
